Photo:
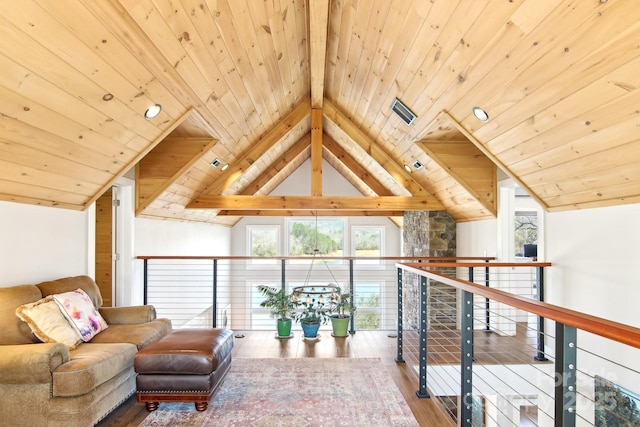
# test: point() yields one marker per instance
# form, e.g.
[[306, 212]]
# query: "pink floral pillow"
[[77, 307]]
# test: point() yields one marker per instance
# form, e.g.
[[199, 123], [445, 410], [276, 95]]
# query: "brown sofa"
[[47, 384]]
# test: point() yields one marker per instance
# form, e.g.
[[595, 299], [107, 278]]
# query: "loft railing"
[[222, 291], [495, 364], [516, 340]]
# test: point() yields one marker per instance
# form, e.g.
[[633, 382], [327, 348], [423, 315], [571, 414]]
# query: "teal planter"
[[340, 326], [284, 328], [310, 330]]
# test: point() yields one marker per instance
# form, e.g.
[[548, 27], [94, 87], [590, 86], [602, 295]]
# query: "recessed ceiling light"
[[216, 163], [417, 165], [152, 111], [480, 114], [225, 167], [407, 168]]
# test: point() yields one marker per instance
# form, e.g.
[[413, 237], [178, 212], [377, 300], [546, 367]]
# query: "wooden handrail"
[[605, 328], [347, 258]]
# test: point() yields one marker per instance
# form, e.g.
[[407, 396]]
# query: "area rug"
[[297, 392]]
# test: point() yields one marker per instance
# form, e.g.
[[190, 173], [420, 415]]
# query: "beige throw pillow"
[[78, 308], [48, 323]]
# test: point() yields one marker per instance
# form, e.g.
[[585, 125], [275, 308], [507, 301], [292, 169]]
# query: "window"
[[367, 242], [263, 241], [368, 308], [324, 235], [526, 230]]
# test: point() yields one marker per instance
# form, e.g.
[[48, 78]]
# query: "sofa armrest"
[[128, 315], [31, 363]]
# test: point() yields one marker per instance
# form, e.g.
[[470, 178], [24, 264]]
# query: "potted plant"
[[342, 308], [282, 307], [312, 315]]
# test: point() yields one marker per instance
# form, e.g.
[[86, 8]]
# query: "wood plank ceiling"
[[265, 86]]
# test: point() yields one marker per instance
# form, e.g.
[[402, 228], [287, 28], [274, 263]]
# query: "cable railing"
[[222, 291], [510, 359], [476, 332]]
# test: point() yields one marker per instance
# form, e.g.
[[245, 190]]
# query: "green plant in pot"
[[282, 307], [313, 313], [342, 308]]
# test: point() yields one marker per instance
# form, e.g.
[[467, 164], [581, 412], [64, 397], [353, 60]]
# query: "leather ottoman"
[[188, 365]]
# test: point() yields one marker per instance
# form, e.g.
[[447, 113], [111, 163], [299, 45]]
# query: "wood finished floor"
[[363, 344]]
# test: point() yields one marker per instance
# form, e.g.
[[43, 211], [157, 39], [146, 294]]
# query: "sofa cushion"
[[14, 330], [141, 334], [67, 284], [81, 314], [48, 323], [91, 365]]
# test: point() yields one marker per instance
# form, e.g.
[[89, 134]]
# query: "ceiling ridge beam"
[[318, 30]]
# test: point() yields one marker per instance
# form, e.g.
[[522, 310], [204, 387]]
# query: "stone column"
[[429, 233]]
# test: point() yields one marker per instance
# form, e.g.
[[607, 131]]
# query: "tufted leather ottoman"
[[188, 365]]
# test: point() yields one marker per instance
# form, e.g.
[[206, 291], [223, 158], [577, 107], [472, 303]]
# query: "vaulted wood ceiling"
[[268, 85]]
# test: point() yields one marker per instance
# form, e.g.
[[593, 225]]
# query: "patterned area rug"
[[297, 392]]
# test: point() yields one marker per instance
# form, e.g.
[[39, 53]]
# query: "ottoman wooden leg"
[[201, 406], [151, 406]]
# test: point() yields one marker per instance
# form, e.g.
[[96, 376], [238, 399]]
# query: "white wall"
[[595, 255], [41, 243]]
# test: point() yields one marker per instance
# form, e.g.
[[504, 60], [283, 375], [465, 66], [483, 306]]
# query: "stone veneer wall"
[[429, 233]]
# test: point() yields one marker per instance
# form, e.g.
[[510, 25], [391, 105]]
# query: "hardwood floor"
[[363, 344]]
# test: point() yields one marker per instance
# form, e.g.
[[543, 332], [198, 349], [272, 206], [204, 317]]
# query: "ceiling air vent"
[[403, 112]]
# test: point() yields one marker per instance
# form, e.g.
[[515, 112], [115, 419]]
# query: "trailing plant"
[[280, 303], [314, 309]]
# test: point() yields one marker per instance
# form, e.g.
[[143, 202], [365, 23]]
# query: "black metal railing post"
[[214, 306], [487, 305], [466, 360], [145, 280], [399, 358], [283, 283], [565, 376], [540, 287], [352, 329], [422, 392]]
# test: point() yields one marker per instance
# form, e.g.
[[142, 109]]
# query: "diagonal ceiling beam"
[[373, 183], [350, 203], [318, 27], [376, 152], [279, 131], [277, 166]]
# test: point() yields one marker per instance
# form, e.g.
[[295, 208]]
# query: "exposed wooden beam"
[[316, 152], [350, 203], [318, 25], [279, 131], [372, 182], [332, 113], [275, 212], [286, 158]]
